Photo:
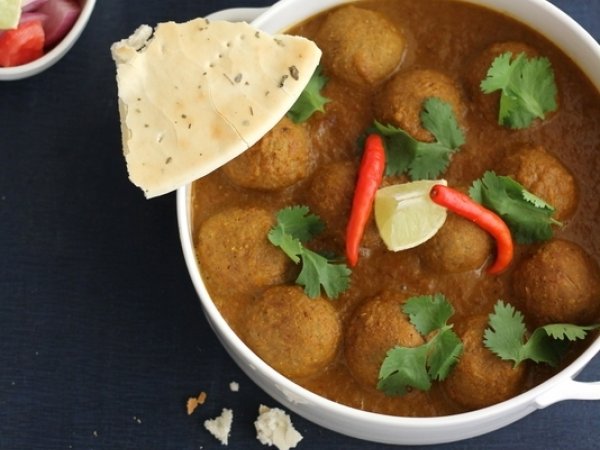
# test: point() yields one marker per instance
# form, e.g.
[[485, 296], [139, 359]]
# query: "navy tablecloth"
[[102, 338]]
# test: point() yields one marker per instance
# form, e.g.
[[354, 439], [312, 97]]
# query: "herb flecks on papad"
[[194, 95]]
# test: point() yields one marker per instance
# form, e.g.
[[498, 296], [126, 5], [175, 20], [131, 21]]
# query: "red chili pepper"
[[370, 174], [464, 206]]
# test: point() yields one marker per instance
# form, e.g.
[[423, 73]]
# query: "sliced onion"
[[61, 17], [33, 15], [31, 5]]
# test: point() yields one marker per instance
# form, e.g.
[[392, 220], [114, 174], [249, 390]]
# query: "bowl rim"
[[56, 53], [234, 343]]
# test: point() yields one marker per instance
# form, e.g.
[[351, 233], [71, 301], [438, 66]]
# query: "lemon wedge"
[[10, 13], [405, 214]]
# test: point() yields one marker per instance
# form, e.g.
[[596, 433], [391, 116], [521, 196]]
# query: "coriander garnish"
[[528, 216], [295, 226], [423, 160], [505, 337], [528, 89], [416, 367], [310, 100]]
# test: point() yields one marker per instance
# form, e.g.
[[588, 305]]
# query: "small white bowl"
[[51, 57]]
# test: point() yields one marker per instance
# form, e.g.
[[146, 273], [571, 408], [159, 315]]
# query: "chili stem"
[[370, 175], [461, 204]]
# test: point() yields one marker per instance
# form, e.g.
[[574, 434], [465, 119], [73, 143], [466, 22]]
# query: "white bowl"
[[50, 58], [585, 51]]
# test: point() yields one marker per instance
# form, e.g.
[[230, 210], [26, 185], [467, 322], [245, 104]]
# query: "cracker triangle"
[[194, 95]]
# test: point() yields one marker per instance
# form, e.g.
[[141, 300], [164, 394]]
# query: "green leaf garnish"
[[506, 332], [423, 160], [528, 89], [295, 226], [428, 312], [405, 368], [535, 200], [528, 216], [568, 331], [310, 100], [438, 118], [319, 271], [299, 223], [444, 354], [506, 337]]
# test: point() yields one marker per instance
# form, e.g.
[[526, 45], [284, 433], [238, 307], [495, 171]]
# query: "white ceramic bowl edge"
[[584, 50]]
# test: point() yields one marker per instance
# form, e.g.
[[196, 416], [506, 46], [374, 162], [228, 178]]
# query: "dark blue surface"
[[102, 338]]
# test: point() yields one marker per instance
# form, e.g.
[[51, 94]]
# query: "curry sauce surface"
[[444, 36]]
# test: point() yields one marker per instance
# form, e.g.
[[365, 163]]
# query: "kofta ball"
[[279, 159], [458, 246], [480, 378], [332, 189], [234, 252], [360, 46], [400, 102], [544, 175], [488, 104], [377, 326], [296, 335], [330, 197], [559, 283]]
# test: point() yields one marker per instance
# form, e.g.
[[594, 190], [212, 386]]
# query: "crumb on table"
[[194, 402]]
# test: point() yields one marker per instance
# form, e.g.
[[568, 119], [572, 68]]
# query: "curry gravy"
[[446, 36]]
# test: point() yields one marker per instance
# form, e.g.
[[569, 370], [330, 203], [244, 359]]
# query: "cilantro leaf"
[[430, 161], [506, 333], [310, 100], [528, 217], [499, 74], [444, 354], [535, 200], [568, 331], [506, 337], [527, 85], [416, 367], [400, 148], [333, 277], [299, 223], [422, 160], [438, 118], [290, 245], [295, 225], [542, 348], [402, 369], [428, 313]]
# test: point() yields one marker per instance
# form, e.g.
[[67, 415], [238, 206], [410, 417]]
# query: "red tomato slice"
[[22, 45]]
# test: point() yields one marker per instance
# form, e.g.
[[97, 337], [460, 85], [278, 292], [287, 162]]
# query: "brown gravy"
[[445, 36]]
